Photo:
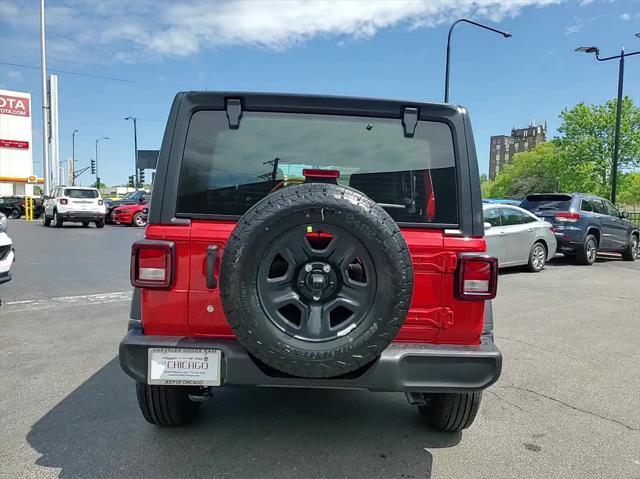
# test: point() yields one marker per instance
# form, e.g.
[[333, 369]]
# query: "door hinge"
[[234, 112], [409, 121], [441, 317]]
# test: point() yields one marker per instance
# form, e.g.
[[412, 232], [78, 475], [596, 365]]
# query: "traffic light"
[[141, 176], [98, 184], [93, 167], [132, 181]]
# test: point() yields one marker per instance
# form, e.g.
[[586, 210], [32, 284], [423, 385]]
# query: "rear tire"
[[630, 253], [100, 224], [57, 221], [450, 412], [537, 257], [85, 224], [587, 254], [166, 406], [15, 214], [45, 220]]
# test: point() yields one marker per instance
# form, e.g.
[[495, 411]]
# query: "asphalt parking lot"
[[567, 405]]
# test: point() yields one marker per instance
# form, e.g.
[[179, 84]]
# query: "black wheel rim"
[[316, 282]]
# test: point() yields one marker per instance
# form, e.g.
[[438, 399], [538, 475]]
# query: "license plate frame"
[[184, 367]]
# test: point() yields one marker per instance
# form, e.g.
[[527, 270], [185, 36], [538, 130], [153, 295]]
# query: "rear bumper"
[[402, 367], [81, 216]]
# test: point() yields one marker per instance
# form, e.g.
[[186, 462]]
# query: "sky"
[[150, 50]]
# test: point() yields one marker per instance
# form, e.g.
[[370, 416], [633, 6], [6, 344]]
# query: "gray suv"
[[585, 224]]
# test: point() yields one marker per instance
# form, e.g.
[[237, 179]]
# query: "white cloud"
[[146, 29], [573, 28], [625, 17]]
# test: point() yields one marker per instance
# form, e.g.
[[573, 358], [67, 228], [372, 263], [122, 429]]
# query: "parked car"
[[502, 201], [585, 224], [517, 237], [7, 253], [13, 206], [364, 270], [131, 198], [130, 215], [73, 204]]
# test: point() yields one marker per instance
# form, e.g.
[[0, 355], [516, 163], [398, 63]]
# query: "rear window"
[[74, 193], [225, 171], [546, 202]]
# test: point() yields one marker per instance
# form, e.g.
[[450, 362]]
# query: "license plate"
[[184, 367]]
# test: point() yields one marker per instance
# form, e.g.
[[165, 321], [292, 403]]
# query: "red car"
[[130, 215], [313, 242]]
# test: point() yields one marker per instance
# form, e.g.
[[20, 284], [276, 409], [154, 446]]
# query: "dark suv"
[[585, 224], [317, 242]]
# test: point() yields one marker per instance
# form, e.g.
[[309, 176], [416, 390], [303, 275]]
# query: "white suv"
[[73, 203], [7, 254]]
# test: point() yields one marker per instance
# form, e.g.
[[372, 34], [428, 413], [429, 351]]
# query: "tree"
[[588, 137], [629, 192], [538, 170], [581, 158]]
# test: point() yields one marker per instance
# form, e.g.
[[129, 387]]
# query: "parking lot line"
[[83, 299]]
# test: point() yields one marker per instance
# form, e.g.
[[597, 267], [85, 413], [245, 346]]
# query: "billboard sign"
[[14, 105], [16, 142]]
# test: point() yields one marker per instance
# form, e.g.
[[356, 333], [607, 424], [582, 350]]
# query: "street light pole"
[[73, 156], [447, 68], [135, 149], [616, 134], [98, 177], [45, 104]]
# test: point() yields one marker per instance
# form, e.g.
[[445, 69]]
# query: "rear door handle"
[[212, 258], [530, 230]]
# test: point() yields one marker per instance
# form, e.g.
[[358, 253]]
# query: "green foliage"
[[532, 171], [629, 189], [580, 159]]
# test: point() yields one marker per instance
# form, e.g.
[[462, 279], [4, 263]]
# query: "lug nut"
[[308, 268], [326, 268]]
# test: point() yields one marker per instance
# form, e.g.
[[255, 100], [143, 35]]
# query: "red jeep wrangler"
[[311, 241]]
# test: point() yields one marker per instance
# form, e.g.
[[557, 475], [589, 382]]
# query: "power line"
[[90, 75]]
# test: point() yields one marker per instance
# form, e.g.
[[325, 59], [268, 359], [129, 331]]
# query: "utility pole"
[[135, 149], [97, 175], [45, 104], [73, 157]]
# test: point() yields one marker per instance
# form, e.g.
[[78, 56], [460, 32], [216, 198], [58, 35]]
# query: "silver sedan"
[[517, 237]]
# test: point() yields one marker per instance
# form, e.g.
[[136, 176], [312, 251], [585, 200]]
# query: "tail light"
[[63, 201], [100, 202], [567, 216], [152, 264], [477, 277]]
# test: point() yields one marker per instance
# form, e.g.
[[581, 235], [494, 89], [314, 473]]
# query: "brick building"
[[504, 147]]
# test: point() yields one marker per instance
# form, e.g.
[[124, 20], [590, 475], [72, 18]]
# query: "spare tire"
[[316, 280]]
